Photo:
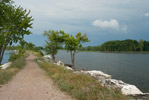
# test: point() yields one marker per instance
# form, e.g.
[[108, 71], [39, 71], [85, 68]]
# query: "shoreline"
[[107, 80], [125, 52]]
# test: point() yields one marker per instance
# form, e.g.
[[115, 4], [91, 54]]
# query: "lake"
[[132, 68], [6, 56]]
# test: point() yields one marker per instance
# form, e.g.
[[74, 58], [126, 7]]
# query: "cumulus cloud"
[[146, 14], [113, 24]]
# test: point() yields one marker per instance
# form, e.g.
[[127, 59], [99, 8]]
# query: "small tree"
[[54, 43], [72, 44], [30, 46], [14, 24], [23, 44]]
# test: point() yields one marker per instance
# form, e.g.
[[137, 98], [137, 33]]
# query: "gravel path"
[[31, 83]]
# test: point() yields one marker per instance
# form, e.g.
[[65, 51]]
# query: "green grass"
[[80, 86], [7, 74], [38, 54]]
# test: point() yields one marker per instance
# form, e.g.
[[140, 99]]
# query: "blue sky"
[[102, 20]]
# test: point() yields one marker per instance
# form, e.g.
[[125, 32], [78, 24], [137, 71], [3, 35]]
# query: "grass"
[[80, 86], [7, 74], [38, 54]]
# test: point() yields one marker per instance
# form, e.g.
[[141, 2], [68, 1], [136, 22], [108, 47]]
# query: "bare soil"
[[31, 83]]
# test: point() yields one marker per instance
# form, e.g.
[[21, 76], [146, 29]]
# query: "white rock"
[[47, 56], [77, 72], [6, 65], [68, 68], [59, 63], [117, 83], [130, 90], [97, 74], [126, 89], [84, 72], [102, 80]]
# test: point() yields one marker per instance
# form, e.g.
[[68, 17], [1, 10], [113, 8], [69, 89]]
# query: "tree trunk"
[[2, 53], [53, 58], [73, 59]]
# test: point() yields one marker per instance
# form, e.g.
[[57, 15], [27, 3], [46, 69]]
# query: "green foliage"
[[141, 45], [123, 45], [19, 62], [57, 38], [126, 45], [80, 86], [15, 56], [11, 47], [14, 24], [72, 44], [41, 53], [30, 46], [23, 44], [54, 43]]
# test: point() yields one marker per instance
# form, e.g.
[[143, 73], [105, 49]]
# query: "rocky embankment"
[[106, 80]]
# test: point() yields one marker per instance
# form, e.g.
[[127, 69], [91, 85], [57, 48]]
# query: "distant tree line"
[[120, 45], [23, 45]]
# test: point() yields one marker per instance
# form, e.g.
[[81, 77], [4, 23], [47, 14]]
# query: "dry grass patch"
[[7, 74], [80, 86]]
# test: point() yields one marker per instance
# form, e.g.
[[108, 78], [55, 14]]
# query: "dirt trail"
[[31, 83]]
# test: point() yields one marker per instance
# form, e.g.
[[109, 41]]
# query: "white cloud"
[[124, 28], [146, 14], [113, 24]]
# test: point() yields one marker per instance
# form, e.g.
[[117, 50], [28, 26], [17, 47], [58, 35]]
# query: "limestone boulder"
[[6, 65], [60, 63], [98, 74], [130, 90]]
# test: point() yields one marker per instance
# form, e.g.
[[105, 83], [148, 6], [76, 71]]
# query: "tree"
[[23, 44], [54, 43], [72, 44], [30, 46], [14, 24], [141, 45]]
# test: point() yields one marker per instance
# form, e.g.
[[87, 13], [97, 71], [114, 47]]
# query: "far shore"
[[143, 52]]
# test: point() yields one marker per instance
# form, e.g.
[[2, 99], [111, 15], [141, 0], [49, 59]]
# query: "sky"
[[101, 20]]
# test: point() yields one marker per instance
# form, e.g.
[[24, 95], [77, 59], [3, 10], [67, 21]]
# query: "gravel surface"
[[31, 83]]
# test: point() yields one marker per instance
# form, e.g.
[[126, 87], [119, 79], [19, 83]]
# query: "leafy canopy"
[[55, 41], [74, 43]]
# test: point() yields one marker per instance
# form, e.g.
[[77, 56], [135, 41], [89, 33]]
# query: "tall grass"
[[80, 86], [7, 74]]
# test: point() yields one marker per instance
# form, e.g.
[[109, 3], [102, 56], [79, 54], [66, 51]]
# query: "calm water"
[[131, 68], [6, 56]]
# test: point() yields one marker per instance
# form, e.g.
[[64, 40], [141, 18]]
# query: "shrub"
[[15, 56], [21, 51], [41, 53]]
